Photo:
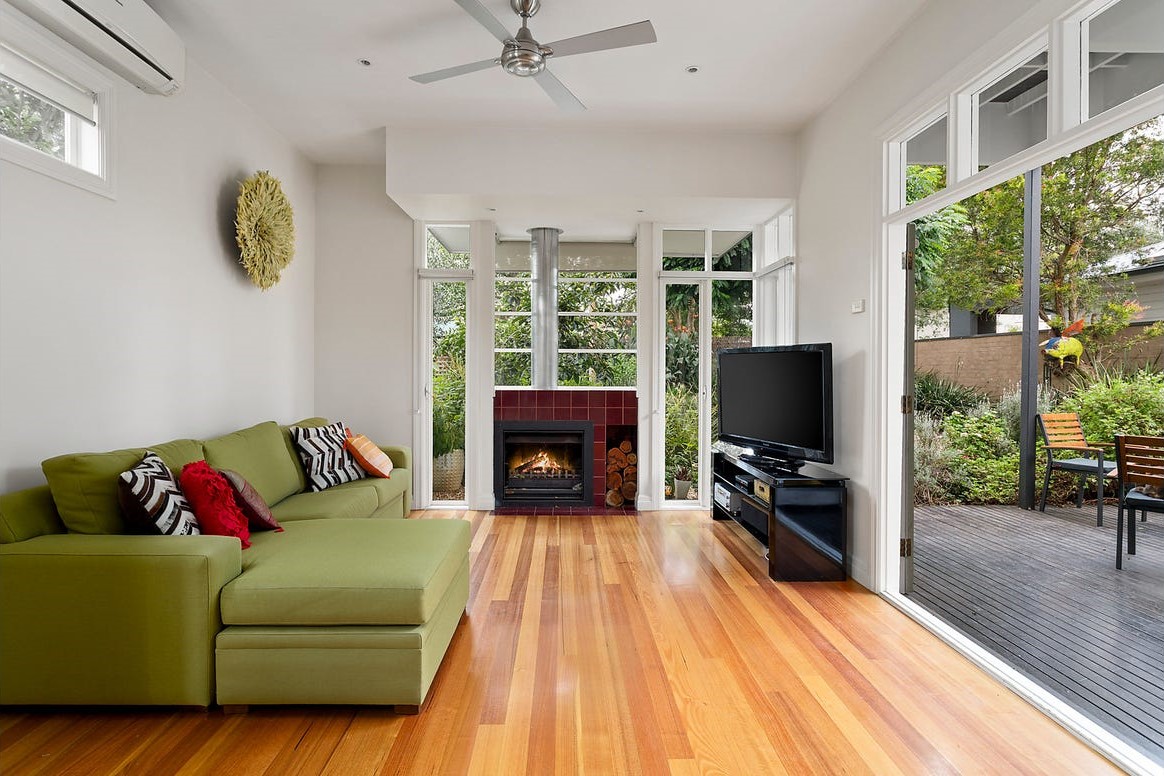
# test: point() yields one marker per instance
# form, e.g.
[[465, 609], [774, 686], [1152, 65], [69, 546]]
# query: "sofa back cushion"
[[84, 485], [27, 514], [262, 457]]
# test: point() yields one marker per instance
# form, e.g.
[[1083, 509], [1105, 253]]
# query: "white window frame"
[[30, 38], [634, 281], [1038, 44], [1069, 129], [478, 280], [702, 279], [1075, 30], [497, 278]]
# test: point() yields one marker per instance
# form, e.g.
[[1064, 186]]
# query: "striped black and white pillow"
[[326, 461], [152, 500]]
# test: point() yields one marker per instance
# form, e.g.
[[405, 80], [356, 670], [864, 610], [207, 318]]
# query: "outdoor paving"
[[1042, 592]]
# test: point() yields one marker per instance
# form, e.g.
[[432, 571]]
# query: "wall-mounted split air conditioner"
[[126, 36]]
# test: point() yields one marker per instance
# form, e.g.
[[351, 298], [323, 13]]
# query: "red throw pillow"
[[213, 501]]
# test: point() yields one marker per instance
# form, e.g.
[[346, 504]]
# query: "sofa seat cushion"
[[339, 501], [387, 490], [261, 456], [347, 572]]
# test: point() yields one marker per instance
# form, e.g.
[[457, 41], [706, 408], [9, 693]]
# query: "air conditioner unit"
[[126, 36]]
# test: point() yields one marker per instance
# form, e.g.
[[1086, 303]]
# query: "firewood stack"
[[622, 475]]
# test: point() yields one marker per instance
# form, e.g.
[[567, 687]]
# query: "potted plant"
[[448, 437], [681, 473], [682, 481]]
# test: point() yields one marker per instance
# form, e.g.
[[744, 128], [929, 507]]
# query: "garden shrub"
[[987, 470], [1119, 404], [448, 409], [934, 463], [681, 435], [935, 395], [1010, 408]]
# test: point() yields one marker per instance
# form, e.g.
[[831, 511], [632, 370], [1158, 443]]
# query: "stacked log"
[[622, 475]]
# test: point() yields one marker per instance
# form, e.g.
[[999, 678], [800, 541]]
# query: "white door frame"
[[478, 280]]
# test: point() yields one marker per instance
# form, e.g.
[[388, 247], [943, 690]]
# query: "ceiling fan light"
[[523, 60]]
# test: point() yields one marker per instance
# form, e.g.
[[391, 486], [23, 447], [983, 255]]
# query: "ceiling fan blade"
[[453, 72], [485, 19], [562, 97], [616, 37]]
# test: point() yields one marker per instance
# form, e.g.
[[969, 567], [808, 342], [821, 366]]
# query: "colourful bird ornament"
[[1064, 345]]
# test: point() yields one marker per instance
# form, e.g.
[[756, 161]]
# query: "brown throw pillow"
[[258, 514]]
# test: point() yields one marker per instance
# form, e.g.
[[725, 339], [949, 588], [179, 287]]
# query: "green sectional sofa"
[[346, 605]]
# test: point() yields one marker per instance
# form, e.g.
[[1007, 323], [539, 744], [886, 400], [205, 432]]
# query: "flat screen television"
[[779, 402]]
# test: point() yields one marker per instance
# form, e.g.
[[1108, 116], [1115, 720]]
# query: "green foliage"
[[934, 463], [1098, 202], [933, 233], [986, 471], [938, 396], [448, 409], [1009, 408], [1101, 345], [971, 456], [439, 257], [681, 435], [981, 265], [682, 347], [1119, 404], [31, 121]]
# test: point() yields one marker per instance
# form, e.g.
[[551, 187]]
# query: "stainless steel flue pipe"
[[543, 247]]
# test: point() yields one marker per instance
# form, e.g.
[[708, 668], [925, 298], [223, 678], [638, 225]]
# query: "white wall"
[[364, 297], [126, 322], [479, 160], [839, 205]]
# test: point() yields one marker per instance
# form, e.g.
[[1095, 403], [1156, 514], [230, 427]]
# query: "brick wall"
[[992, 362]]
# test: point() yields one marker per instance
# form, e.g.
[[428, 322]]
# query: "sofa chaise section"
[[343, 611]]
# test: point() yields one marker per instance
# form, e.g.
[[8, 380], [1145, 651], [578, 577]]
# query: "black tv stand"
[[803, 523]]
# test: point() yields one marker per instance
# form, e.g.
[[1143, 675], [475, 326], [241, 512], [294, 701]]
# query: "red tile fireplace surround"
[[603, 408]]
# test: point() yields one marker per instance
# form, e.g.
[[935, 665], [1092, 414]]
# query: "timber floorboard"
[[643, 643], [1041, 591]]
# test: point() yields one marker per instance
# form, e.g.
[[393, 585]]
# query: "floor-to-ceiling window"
[[706, 289]]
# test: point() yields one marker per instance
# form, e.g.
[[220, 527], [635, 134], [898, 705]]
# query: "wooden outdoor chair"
[[1063, 431], [1141, 462]]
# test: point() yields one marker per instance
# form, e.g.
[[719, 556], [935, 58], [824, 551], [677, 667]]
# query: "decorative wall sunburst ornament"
[[264, 228]]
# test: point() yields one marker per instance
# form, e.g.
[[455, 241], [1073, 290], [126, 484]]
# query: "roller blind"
[[47, 85]]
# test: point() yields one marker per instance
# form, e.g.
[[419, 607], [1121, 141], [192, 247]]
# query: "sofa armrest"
[[401, 456], [112, 620]]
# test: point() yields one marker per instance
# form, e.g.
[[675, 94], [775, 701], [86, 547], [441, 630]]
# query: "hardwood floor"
[[650, 643]]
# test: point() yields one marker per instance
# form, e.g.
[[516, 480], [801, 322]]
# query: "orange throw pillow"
[[371, 458]]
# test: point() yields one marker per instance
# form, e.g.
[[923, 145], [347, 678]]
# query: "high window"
[[1123, 53], [54, 108], [596, 302]]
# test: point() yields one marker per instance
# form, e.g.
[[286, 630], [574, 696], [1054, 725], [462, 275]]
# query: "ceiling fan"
[[521, 55]]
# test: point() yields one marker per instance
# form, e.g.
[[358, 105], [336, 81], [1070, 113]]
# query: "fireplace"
[[543, 462]]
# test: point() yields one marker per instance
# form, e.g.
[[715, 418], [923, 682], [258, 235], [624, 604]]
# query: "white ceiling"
[[764, 64]]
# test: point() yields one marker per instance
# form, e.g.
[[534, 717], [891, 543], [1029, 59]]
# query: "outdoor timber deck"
[[1042, 592]]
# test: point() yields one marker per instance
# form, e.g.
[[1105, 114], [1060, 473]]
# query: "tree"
[[1099, 202], [933, 233], [33, 122]]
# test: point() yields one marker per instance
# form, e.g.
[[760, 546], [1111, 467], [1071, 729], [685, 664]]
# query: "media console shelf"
[[803, 524]]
